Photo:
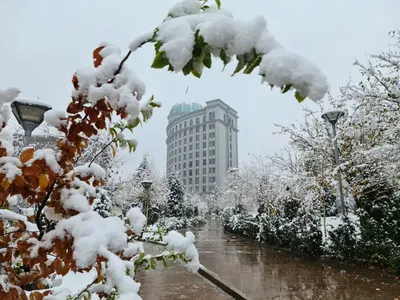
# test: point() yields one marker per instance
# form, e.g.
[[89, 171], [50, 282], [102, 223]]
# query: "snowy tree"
[[175, 197], [102, 202]]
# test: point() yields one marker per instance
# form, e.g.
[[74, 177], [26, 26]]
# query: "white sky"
[[43, 42]]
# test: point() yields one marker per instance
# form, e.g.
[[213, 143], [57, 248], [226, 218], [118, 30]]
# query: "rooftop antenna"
[[187, 89]]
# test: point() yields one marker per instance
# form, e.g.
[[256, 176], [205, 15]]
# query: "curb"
[[223, 285]]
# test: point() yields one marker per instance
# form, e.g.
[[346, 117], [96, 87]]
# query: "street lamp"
[[332, 117], [147, 184], [29, 114]]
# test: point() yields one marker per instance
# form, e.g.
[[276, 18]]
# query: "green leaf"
[[157, 46], [224, 57], [205, 7], [286, 88], [272, 86], [160, 61], [207, 60], [154, 104], [196, 73], [187, 68], [137, 122], [254, 63], [153, 263], [218, 3], [170, 68], [241, 64], [164, 261], [299, 97]]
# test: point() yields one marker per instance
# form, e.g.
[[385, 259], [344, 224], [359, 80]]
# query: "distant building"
[[202, 143]]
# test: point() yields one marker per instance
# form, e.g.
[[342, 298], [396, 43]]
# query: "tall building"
[[202, 143]]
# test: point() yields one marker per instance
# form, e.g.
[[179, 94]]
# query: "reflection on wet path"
[[262, 272]]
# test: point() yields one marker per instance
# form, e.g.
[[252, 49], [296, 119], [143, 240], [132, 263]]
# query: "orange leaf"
[[36, 296], [73, 108], [6, 184], [43, 181], [97, 58], [33, 170], [19, 181], [114, 153], [26, 155]]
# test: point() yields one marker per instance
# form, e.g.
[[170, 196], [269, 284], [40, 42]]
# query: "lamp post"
[[147, 184], [332, 117], [29, 114]]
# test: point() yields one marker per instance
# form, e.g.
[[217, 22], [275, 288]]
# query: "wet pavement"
[[262, 272], [176, 282]]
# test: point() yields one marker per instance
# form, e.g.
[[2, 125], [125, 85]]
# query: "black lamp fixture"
[[29, 114], [333, 116]]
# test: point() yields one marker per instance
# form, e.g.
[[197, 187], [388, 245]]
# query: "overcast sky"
[[43, 42]]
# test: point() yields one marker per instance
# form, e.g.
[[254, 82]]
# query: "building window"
[[197, 120], [185, 132], [204, 153], [197, 181], [204, 136], [184, 166], [184, 148], [184, 156], [204, 179], [204, 162], [191, 139], [197, 163], [198, 154], [190, 155], [197, 189], [190, 164], [204, 189], [212, 179], [212, 144], [184, 181], [190, 172], [204, 127], [184, 140], [204, 144], [212, 115], [180, 150], [191, 131], [190, 180], [197, 138], [185, 124], [190, 147], [204, 118], [197, 129], [197, 173], [197, 146], [191, 122]]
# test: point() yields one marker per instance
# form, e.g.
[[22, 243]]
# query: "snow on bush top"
[[193, 31]]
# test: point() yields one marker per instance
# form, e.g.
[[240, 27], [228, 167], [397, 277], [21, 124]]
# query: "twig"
[[104, 148], [38, 216], [86, 288]]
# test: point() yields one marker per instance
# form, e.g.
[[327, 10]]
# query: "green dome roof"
[[185, 108]]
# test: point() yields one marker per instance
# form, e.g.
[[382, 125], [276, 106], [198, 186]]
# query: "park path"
[[262, 272]]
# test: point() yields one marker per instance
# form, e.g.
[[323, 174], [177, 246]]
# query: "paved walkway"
[[176, 282]]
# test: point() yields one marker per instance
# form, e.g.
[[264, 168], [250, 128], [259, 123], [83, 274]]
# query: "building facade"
[[202, 143]]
